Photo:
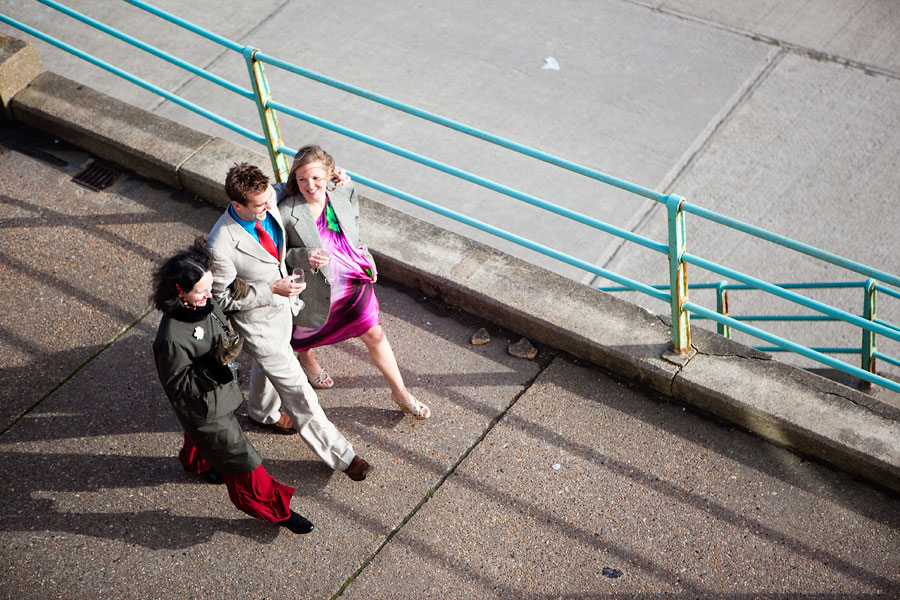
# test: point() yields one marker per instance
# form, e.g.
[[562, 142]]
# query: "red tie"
[[266, 240]]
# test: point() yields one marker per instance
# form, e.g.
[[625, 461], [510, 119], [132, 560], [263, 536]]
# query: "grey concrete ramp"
[[588, 488], [142, 25], [809, 144]]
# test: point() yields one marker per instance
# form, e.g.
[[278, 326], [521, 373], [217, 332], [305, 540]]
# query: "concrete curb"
[[783, 404], [19, 65]]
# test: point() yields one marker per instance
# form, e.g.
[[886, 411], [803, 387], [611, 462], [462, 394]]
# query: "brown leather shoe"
[[284, 426], [358, 469]]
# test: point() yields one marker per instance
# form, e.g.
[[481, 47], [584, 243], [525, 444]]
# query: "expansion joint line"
[[194, 153], [77, 369], [499, 417], [868, 69], [190, 79], [692, 154]]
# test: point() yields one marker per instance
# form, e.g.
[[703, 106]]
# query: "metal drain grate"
[[98, 175]]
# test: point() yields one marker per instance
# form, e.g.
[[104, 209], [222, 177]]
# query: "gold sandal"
[[322, 381], [417, 410]]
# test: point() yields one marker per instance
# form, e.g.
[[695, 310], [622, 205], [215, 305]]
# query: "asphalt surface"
[[539, 478]]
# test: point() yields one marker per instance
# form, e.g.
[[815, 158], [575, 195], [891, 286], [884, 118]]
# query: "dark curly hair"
[[182, 270], [243, 178]]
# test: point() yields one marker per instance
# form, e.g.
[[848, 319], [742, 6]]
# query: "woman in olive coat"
[[194, 350]]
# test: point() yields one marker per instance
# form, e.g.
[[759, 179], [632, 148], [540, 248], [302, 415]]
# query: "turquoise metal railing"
[[867, 350], [675, 248], [249, 134]]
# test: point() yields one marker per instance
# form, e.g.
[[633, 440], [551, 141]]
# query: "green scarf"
[[331, 219]]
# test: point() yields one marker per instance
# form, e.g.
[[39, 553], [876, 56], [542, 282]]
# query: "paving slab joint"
[[180, 165], [471, 263], [751, 84], [433, 490], [778, 42], [76, 370]]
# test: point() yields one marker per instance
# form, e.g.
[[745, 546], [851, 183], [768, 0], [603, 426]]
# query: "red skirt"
[[256, 493]]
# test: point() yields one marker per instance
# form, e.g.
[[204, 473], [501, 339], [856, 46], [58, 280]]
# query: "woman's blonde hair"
[[305, 155]]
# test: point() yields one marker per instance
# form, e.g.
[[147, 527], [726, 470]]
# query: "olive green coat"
[[203, 392]]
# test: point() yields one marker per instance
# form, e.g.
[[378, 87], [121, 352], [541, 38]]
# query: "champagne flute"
[[299, 277], [321, 254]]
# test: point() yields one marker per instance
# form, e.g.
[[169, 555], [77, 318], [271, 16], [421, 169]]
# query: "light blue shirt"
[[268, 224]]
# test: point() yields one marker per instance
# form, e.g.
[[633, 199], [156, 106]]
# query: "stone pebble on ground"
[[522, 349], [481, 337]]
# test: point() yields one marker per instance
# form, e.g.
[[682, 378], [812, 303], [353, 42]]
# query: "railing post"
[[269, 121], [722, 307], [678, 285], [868, 338]]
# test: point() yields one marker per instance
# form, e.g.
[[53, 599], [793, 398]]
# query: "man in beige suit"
[[247, 247]]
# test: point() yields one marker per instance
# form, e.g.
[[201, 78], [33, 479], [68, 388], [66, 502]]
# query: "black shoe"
[[297, 523], [213, 476]]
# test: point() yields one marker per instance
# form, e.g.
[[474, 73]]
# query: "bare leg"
[[383, 357], [308, 361], [318, 378]]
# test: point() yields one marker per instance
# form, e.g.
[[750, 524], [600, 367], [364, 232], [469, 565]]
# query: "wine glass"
[[322, 254], [299, 277]]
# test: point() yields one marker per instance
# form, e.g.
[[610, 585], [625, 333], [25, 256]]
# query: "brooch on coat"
[[199, 333]]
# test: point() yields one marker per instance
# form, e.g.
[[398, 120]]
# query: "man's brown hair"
[[243, 178]]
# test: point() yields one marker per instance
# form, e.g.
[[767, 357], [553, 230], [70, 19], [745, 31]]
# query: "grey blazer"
[[260, 315], [302, 235]]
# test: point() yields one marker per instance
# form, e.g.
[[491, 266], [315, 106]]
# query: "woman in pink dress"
[[321, 222]]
